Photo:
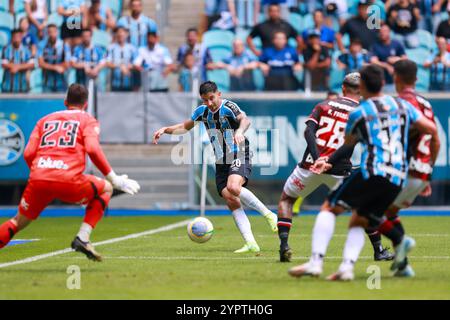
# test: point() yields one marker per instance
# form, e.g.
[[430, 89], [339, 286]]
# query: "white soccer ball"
[[200, 230]]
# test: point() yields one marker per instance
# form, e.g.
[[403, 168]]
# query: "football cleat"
[[85, 248], [383, 255], [285, 254], [272, 220], [346, 275], [406, 272], [401, 251], [306, 269], [249, 247]]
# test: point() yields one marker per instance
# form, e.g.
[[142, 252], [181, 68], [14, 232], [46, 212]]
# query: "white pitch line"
[[101, 243]]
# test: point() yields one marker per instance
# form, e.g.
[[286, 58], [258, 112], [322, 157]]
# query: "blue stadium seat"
[[258, 79], [4, 5], [218, 38], [418, 55], [423, 79], [52, 5], [346, 40], [101, 38], [36, 81], [426, 39], [19, 6], [352, 7], [6, 21], [307, 22], [56, 19], [1, 77], [242, 34], [102, 80], [296, 21], [218, 54], [221, 78], [4, 38], [71, 76]]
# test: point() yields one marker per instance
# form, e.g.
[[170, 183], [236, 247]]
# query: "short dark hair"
[[356, 41], [116, 29], [406, 70], [14, 31], [332, 93], [191, 30], [52, 25], [77, 95], [373, 77], [152, 34], [208, 87]]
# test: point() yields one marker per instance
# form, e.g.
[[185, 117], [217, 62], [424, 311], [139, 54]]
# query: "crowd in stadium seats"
[[330, 38], [244, 45]]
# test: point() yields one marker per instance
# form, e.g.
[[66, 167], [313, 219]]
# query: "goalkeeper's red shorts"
[[39, 194]]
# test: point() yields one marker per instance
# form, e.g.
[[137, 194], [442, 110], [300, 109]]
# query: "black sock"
[[388, 229], [284, 226], [397, 224], [375, 239]]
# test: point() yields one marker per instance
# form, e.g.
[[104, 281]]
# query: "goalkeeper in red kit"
[[56, 156]]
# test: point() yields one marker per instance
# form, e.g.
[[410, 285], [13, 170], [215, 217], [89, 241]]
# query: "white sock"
[[353, 247], [243, 224], [322, 234], [250, 200], [85, 232]]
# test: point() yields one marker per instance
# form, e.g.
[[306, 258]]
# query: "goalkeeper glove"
[[123, 183]]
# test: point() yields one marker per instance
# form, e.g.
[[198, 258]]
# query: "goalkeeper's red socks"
[[94, 213], [7, 231]]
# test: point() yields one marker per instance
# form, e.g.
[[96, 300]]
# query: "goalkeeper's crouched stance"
[[56, 156]]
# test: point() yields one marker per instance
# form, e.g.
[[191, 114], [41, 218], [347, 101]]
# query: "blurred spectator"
[[356, 27], [327, 35], [99, 16], [87, 59], [283, 4], [221, 14], [443, 29], [28, 39], [385, 52], [430, 11], [355, 59], [121, 56], [278, 63], [74, 20], [403, 18], [54, 58], [317, 62], [266, 30], [336, 9], [187, 71], [37, 16], [439, 65], [332, 95], [155, 59], [240, 65], [16, 62], [202, 55], [137, 24]]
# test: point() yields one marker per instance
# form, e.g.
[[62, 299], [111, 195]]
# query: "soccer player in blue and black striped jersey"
[[88, 59], [16, 62], [381, 124], [226, 125], [54, 59]]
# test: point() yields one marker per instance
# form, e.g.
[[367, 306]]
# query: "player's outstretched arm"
[[95, 152], [180, 128]]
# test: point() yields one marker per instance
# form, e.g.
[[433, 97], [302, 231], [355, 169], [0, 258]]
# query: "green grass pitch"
[[168, 265]]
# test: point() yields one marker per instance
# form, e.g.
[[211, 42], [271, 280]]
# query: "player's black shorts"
[[370, 198], [240, 165], [67, 33]]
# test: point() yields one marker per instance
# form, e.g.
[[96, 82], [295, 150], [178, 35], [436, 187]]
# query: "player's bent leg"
[[98, 199], [241, 221], [11, 227], [250, 200]]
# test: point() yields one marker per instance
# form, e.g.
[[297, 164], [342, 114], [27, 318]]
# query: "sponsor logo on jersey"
[[340, 106], [49, 163], [24, 205], [12, 142], [419, 166]]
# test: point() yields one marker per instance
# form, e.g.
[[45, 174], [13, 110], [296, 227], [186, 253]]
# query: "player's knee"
[[234, 189], [337, 210]]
